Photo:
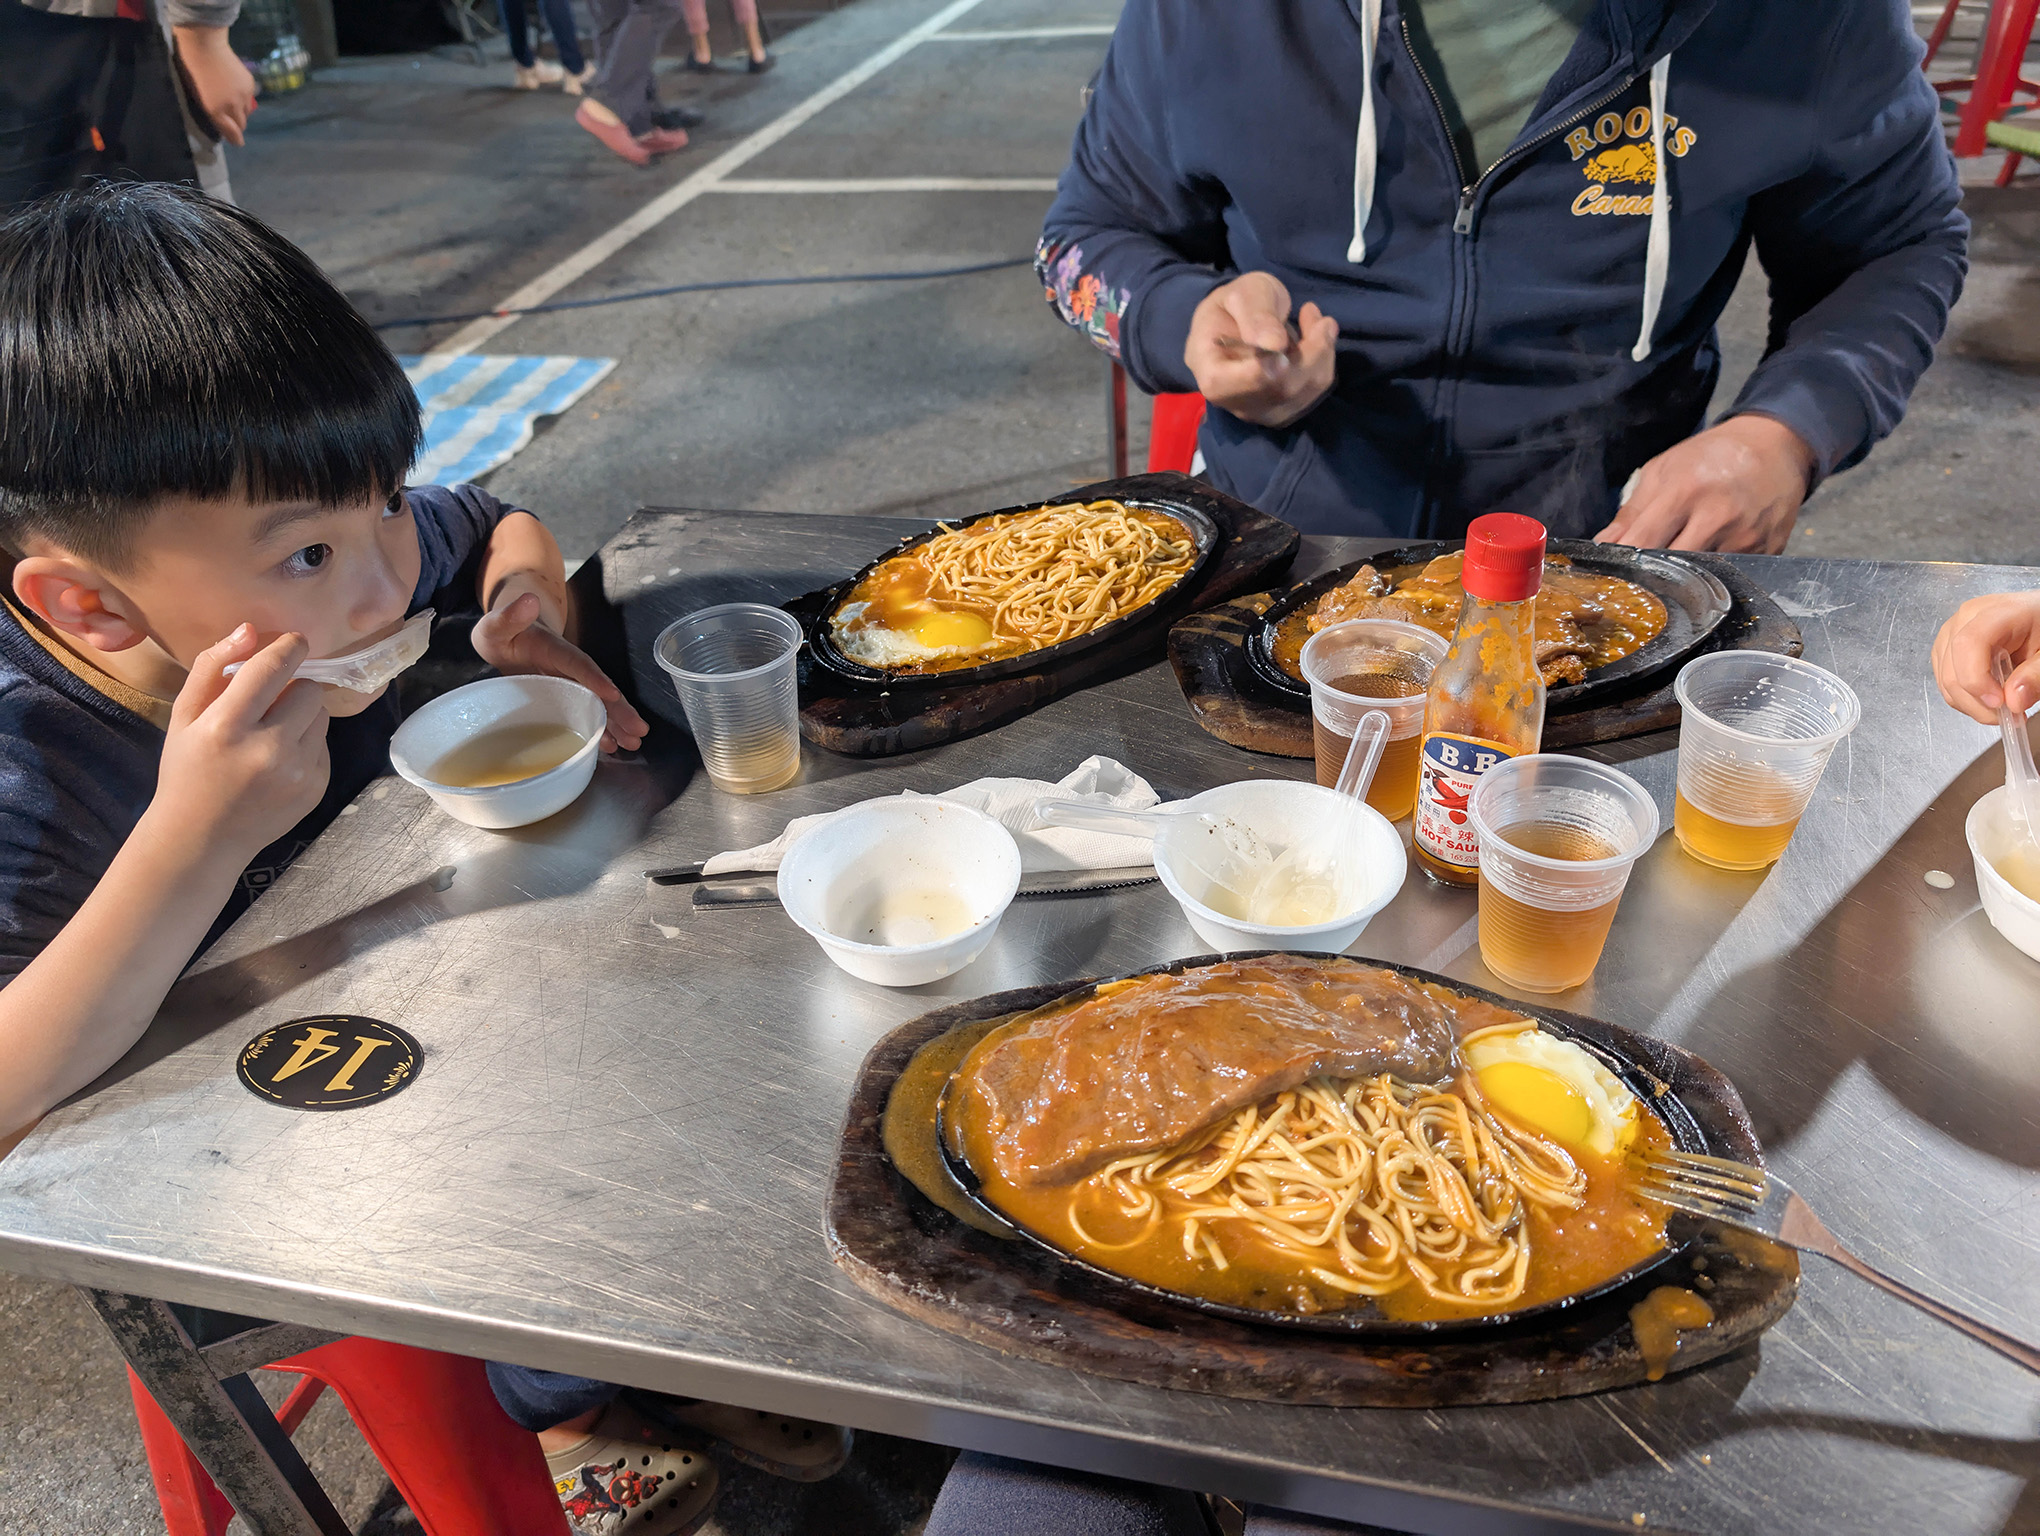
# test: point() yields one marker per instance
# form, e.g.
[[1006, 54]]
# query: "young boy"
[[202, 454]]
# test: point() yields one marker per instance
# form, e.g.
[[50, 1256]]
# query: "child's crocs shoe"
[[801, 1450], [629, 1479]]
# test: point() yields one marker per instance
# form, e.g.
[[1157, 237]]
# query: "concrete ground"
[[426, 186]]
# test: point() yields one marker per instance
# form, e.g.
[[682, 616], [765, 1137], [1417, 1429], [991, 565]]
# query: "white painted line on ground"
[[678, 196], [1014, 34], [795, 187]]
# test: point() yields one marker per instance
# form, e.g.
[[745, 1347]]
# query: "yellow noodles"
[[1369, 1183], [1058, 572]]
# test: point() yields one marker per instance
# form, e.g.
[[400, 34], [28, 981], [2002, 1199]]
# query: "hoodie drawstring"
[[1657, 258], [1364, 142]]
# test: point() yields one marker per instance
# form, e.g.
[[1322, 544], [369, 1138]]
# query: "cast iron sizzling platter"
[[816, 608], [1695, 604], [1365, 1317]]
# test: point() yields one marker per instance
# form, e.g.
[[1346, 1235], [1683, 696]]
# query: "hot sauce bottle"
[[1486, 701]]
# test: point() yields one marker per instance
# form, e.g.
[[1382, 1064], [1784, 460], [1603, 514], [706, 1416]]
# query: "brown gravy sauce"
[[908, 1126], [1660, 1319], [1612, 616]]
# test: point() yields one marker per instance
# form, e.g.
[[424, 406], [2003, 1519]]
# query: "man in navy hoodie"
[[1434, 258]]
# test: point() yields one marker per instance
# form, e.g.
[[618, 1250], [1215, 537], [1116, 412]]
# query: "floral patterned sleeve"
[[1085, 303], [1136, 236]]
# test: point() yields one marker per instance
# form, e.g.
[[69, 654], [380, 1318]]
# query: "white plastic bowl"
[[1989, 830], [1280, 812], [458, 717], [858, 876]]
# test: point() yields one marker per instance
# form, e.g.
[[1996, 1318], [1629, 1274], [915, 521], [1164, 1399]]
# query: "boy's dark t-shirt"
[[79, 753]]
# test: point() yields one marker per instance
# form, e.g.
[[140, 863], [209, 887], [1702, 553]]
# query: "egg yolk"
[[1539, 1098], [944, 628]]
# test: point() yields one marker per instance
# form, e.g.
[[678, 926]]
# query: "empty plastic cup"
[[1755, 732], [1558, 837], [733, 666], [1366, 664]]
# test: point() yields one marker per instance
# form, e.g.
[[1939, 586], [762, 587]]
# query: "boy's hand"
[[245, 758], [510, 638], [226, 91], [1977, 631]]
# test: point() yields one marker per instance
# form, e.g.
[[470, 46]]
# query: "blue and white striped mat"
[[479, 409]]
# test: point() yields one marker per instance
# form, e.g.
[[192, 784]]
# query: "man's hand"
[[1976, 632], [1247, 359], [226, 90], [245, 757], [510, 638], [1736, 486]]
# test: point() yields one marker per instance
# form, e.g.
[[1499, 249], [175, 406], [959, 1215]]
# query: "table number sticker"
[[329, 1061]]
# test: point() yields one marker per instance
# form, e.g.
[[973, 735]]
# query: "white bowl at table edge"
[[501, 807], [2013, 914]]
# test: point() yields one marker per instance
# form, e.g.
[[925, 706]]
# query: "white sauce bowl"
[[1281, 812], [1990, 832], [456, 718], [878, 872]]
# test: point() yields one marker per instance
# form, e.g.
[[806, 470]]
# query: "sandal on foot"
[[800, 1450], [576, 85], [663, 141], [542, 72], [629, 1478], [614, 136]]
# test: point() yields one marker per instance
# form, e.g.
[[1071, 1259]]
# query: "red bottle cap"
[[1504, 557]]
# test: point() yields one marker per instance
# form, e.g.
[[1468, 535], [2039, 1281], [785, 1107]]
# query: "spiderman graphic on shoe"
[[614, 1489]]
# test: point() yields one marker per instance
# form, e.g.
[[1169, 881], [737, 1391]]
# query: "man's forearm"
[[80, 1004]]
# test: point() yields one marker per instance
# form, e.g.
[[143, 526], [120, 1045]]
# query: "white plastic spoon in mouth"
[[373, 666]]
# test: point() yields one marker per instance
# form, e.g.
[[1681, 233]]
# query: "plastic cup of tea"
[[1558, 837], [1755, 732], [1365, 664], [733, 667]]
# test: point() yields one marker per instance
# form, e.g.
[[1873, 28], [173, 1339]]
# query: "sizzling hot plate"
[[816, 608], [1615, 1048], [1695, 602]]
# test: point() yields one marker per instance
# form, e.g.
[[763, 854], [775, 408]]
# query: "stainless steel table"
[[613, 1159]]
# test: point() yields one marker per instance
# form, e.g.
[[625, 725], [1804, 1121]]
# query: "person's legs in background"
[[559, 19], [532, 71], [702, 58], [618, 109]]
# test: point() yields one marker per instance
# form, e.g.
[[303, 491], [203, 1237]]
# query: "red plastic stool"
[[2007, 34], [1172, 436], [431, 1420]]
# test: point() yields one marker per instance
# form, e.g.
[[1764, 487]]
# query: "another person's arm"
[[1134, 254], [1866, 251], [528, 620], [1972, 637], [243, 762], [226, 91]]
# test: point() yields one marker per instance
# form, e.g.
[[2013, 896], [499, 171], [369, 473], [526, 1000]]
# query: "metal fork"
[[1741, 1196]]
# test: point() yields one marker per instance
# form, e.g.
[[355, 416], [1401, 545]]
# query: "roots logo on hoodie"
[[1614, 153]]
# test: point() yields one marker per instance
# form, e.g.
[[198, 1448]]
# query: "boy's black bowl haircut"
[[154, 342]]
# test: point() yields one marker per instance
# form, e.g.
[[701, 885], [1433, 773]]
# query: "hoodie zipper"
[[1462, 221]]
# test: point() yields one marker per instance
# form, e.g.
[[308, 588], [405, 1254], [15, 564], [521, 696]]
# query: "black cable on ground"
[[735, 282]]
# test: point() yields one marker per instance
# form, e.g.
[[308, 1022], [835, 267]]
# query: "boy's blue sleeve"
[[1866, 249], [1133, 242], [454, 524]]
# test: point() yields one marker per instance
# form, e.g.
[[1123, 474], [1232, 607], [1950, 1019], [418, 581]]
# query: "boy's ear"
[[74, 598]]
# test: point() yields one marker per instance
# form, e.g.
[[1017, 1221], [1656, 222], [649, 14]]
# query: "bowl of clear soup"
[[503, 752]]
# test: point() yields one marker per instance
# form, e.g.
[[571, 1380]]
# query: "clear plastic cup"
[[1755, 732], [1385, 665], [733, 667], [1558, 837]]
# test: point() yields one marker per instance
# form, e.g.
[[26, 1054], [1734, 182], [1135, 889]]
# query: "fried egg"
[[903, 634], [1553, 1086]]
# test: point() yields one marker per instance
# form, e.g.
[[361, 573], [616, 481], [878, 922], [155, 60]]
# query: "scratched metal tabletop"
[[613, 1159]]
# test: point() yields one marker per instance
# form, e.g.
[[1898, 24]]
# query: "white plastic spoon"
[[2022, 784], [1304, 882]]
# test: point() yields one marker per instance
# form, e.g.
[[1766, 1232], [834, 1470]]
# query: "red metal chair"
[[431, 1420], [1172, 436], [2007, 34]]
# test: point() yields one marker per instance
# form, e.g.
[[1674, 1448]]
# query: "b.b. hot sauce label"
[[1449, 768]]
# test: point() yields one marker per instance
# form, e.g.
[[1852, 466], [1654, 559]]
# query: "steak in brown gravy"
[[1149, 1064]]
